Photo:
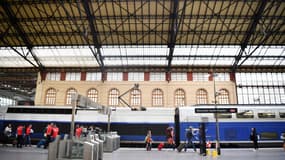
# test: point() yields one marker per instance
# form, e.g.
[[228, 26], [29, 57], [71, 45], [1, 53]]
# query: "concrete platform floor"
[[33, 153]]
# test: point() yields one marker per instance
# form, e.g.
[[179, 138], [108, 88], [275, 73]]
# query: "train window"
[[245, 114], [266, 114], [224, 115], [282, 114], [268, 135], [40, 110]]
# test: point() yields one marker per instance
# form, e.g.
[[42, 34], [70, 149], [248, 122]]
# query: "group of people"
[[189, 139], [50, 133], [83, 131], [22, 134], [169, 136]]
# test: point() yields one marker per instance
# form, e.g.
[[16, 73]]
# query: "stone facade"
[[146, 88]]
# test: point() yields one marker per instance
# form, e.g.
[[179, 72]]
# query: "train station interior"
[[135, 68]]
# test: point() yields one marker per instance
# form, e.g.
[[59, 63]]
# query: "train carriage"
[[132, 126], [269, 120]]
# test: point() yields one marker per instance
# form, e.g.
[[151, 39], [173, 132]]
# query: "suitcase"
[[160, 146], [180, 147]]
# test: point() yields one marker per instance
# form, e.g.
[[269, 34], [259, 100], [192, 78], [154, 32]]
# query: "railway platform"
[[33, 153]]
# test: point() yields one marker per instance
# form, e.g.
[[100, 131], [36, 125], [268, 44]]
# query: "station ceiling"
[[127, 33]]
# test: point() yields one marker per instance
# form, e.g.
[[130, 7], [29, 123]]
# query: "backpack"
[[189, 134]]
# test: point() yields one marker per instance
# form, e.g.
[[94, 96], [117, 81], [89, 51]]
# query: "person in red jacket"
[[29, 131], [20, 135], [78, 131], [48, 133], [55, 132]]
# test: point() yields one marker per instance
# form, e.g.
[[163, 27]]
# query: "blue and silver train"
[[132, 126]]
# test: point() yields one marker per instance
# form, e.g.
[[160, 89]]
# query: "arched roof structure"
[[127, 33]]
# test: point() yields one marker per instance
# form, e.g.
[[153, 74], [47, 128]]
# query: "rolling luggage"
[[180, 147], [160, 146]]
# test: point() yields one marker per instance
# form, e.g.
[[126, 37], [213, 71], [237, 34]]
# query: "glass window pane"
[[266, 114], [136, 97], [93, 94], [157, 76], [202, 96], [113, 97], [53, 76], [136, 76], [179, 76], [70, 92], [282, 114], [50, 96], [73, 76], [245, 114], [223, 97], [200, 76], [179, 98], [93, 76], [157, 98], [114, 76], [222, 77], [224, 115]]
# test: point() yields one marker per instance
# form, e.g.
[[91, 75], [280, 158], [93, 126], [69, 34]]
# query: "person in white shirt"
[[7, 134]]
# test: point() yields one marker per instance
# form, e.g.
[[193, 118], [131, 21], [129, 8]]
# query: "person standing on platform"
[[55, 132], [148, 141], [7, 134], [42, 141], [20, 135], [78, 131], [29, 131], [253, 138], [48, 133], [170, 137], [189, 136]]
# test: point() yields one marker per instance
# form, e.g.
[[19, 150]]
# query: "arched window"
[[202, 96], [157, 98], [179, 97], [69, 94], [50, 96], [113, 97], [136, 97], [93, 94], [223, 97]]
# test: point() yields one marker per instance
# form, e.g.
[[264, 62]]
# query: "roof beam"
[[173, 31], [14, 22], [20, 54], [174, 28], [191, 56], [95, 35], [83, 34], [256, 17]]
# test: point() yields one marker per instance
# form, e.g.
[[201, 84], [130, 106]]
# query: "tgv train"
[[234, 128], [132, 126]]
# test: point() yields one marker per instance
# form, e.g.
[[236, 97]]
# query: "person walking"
[[253, 138], [189, 137]]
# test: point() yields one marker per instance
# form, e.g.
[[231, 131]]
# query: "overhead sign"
[[215, 110]]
